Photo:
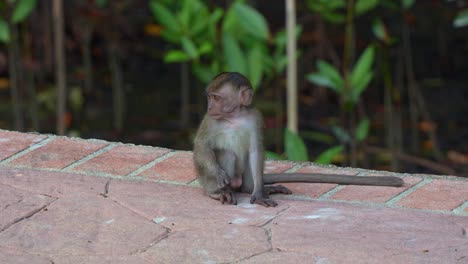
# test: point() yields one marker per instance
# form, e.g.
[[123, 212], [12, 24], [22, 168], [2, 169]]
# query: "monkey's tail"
[[332, 178]]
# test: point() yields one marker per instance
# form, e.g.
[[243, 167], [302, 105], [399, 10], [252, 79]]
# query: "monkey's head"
[[228, 93]]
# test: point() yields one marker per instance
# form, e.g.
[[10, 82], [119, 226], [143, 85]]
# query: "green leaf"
[[22, 10], [101, 3], [360, 74], [255, 63], [321, 80], [334, 17], [332, 73], [328, 155], [184, 15], [176, 56], [318, 136], [203, 73], [341, 134], [327, 76], [233, 55], [363, 6], [273, 155], [4, 31], [360, 86], [362, 130], [216, 15], [462, 19], [379, 29], [251, 20], [295, 147], [189, 47], [205, 47], [407, 4], [164, 16]]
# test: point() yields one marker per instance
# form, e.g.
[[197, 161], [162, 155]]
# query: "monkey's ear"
[[246, 95]]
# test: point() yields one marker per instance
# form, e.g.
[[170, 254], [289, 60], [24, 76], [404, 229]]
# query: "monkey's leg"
[[228, 161], [272, 189]]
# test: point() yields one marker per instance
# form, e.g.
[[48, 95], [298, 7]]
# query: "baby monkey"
[[228, 149]]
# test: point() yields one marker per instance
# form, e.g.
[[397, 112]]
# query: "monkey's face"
[[223, 102]]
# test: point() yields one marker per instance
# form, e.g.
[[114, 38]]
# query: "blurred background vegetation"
[[381, 84]]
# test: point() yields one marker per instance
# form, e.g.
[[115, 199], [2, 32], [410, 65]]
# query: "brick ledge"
[[431, 193]]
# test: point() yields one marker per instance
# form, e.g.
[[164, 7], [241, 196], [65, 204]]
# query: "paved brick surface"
[[13, 142], [374, 194], [437, 195], [179, 167], [122, 159], [58, 154], [277, 167], [90, 214]]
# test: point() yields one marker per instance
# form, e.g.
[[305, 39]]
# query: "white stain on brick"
[[239, 220], [322, 214], [110, 221], [159, 220]]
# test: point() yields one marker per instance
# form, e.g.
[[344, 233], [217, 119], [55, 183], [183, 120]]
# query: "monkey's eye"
[[214, 97]]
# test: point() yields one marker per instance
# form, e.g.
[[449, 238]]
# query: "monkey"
[[228, 149]]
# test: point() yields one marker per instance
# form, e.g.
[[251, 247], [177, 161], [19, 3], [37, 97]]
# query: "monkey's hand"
[[223, 179], [227, 196], [261, 199]]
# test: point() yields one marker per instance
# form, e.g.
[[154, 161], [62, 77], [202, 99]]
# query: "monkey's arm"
[[256, 161], [331, 178], [209, 171]]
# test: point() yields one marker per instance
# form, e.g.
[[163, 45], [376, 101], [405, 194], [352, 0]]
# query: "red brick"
[[437, 195], [122, 159], [324, 170], [179, 167], [374, 194], [272, 166], [315, 190], [312, 190], [13, 142], [58, 153]]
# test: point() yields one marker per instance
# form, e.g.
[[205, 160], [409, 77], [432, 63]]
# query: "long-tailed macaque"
[[228, 149]]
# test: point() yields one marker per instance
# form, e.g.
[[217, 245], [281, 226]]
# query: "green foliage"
[[317, 136], [255, 63], [407, 4], [4, 31], [330, 10], [364, 6], [189, 47], [334, 10], [273, 155], [342, 135], [23, 9], [251, 20], [295, 147], [233, 54], [328, 155], [362, 73], [101, 3], [379, 30], [360, 77], [195, 31], [176, 56], [362, 130], [327, 76], [461, 19], [167, 20]]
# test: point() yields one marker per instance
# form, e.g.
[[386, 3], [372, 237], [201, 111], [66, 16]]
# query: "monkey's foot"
[[276, 189], [226, 196], [267, 202]]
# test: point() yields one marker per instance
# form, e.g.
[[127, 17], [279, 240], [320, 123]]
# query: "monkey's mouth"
[[215, 115]]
